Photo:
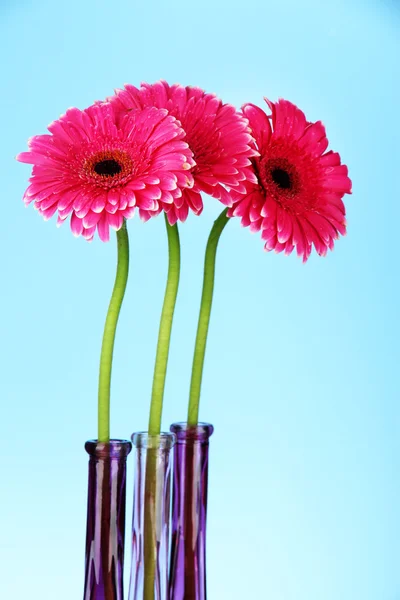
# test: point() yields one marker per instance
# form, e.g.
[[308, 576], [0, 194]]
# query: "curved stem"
[[164, 334], [107, 347], [160, 370], [204, 317]]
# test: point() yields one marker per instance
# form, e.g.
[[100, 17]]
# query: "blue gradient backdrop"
[[301, 376]]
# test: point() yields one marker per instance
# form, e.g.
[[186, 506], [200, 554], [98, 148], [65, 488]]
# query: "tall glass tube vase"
[[105, 529], [151, 515], [187, 579]]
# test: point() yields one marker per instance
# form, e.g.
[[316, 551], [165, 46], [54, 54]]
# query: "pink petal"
[[330, 159], [314, 140], [324, 228], [288, 120], [116, 221], [88, 234], [259, 123], [98, 204], [103, 228], [76, 225], [91, 219], [113, 196], [48, 212], [284, 226]]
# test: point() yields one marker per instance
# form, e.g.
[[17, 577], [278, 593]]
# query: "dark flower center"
[[107, 167], [281, 178]]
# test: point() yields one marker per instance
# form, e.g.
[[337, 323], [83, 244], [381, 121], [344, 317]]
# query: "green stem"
[[160, 370], [164, 334], [150, 524], [107, 347], [204, 317]]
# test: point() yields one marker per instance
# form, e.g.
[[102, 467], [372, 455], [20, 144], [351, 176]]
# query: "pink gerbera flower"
[[99, 172], [217, 134], [297, 200]]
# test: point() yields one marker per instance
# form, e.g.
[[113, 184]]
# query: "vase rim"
[[114, 448], [163, 441], [200, 432]]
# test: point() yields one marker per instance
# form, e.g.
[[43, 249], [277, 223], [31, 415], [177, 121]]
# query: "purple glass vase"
[[151, 514], [187, 579], [105, 528]]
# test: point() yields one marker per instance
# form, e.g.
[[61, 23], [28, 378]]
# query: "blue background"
[[301, 376]]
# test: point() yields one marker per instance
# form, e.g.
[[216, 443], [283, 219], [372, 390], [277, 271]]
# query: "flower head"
[[98, 172], [297, 200], [217, 134]]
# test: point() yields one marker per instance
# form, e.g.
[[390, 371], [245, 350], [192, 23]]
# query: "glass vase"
[[105, 529], [187, 579], [151, 514]]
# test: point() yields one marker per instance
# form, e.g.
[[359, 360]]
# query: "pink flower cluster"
[[158, 147]]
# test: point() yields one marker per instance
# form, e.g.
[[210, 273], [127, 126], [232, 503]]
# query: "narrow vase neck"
[[105, 528], [189, 512], [151, 513]]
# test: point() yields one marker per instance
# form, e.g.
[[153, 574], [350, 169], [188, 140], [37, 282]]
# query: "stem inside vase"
[[151, 512], [105, 531], [190, 485]]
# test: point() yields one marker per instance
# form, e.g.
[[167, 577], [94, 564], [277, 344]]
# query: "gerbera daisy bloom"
[[297, 200], [98, 172], [217, 134]]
